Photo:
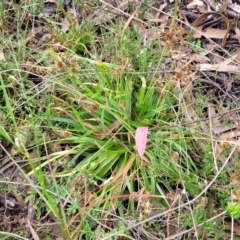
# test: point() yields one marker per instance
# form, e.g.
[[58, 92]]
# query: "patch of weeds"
[[233, 204], [196, 45], [209, 165], [234, 209], [6, 186], [77, 39], [103, 113]]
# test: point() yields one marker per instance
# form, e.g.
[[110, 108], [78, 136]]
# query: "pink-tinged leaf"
[[141, 140]]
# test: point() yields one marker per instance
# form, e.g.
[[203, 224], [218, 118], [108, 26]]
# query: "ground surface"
[[78, 82]]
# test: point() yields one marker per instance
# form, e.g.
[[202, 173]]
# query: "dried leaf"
[[230, 59], [200, 58], [141, 139], [223, 66], [210, 32], [70, 20], [219, 68], [215, 124], [233, 6], [237, 31], [196, 5], [2, 57], [213, 117], [65, 25]]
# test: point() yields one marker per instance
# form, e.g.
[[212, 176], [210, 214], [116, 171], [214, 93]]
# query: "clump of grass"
[[102, 111]]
